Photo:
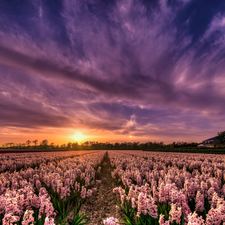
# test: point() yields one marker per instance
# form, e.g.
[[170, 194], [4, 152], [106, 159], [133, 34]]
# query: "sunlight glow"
[[78, 136]]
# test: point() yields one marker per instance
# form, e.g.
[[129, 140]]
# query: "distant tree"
[[63, 146], [69, 144], [86, 143], [116, 145], [220, 139], [135, 145], [10, 144], [52, 145], [35, 143], [74, 145], [28, 143], [44, 143], [23, 145]]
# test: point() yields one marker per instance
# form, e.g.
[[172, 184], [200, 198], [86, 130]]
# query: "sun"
[[78, 136]]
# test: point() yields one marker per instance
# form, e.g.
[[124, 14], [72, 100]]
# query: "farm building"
[[208, 142]]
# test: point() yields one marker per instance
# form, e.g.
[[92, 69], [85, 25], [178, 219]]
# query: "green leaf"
[[77, 219], [142, 222], [128, 220], [60, 209], [135, 218], [68, 210], [122, 222], [84, 223]]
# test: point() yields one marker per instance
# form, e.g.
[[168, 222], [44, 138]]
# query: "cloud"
[[97, 64]]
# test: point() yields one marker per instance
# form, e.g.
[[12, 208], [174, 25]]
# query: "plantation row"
[[17, 161], [169, 188], [46, 193], [152, 187]]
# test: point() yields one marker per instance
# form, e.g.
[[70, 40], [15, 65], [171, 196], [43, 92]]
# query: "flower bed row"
[[169, 188], [39, 195], [17, 161]]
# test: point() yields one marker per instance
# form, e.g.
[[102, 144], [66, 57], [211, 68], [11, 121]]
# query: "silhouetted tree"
[[44, 143], [86, 143], [52, 145], [116, 145], [35, 143], [69, 144], [220, 139], [135, 145], [63, 146], [74, 145], [8, 144], [23, 145], [28, 143]]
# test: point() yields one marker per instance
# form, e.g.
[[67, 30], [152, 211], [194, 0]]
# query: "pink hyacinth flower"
[[49, 221], [28, 217], [83, 192], [111, 221], [162, 220], [194, 219]]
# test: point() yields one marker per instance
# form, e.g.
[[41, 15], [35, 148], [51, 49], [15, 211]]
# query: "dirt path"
[[102, 204]]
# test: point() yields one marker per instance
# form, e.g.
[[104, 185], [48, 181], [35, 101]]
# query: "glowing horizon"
[[70, 136]]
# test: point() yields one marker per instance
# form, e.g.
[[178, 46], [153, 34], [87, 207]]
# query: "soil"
[[102, 204]]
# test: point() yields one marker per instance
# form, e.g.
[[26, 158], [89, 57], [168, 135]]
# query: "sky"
[[112, 70]]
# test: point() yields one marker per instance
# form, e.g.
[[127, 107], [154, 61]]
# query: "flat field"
[[108, 187]]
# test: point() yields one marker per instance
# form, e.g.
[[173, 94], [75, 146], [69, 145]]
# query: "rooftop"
[[210, 139]]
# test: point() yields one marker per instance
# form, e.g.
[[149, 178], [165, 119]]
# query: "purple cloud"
[[123, 67]]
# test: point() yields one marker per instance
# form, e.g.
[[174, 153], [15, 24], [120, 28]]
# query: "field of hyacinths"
[[37, 188], [169, 188], [151, 188]]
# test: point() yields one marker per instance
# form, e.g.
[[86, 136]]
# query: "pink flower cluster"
[[174, 180], [194, 219], [60, 173], [14, 203], [28, 217], [111, 221], [162, 220], [15, 161]]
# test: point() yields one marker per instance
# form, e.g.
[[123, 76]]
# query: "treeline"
[[92, 145]]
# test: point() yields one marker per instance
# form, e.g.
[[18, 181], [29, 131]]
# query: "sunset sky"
[[112, 70]]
